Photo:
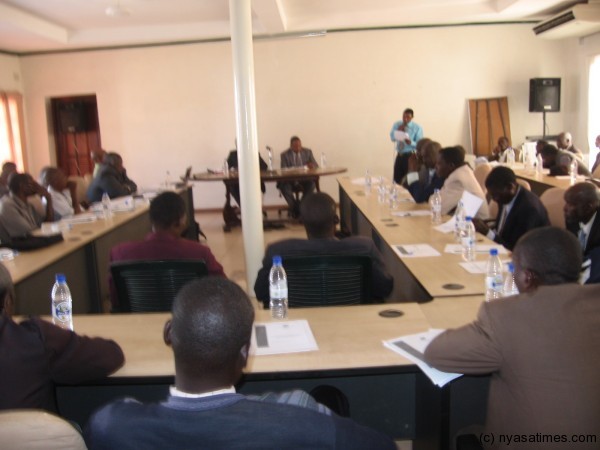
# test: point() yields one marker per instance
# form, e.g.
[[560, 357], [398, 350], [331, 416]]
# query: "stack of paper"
[[412, 348], [270, 338], [415, 250]]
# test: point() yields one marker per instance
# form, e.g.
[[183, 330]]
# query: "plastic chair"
[[481, 172], [32, 429], [328, 280], [151, 286], [554, 202]]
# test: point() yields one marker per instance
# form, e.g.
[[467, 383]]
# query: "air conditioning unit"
[[580, 20]]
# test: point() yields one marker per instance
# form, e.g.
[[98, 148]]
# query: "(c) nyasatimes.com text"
[[538, 438]]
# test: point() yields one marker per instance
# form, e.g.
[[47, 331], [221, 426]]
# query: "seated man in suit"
[[296, 156], [210, 336], [63, 192], [423, 182], [582, 218], [458, 177], [559, 161], [232, 163], [169, 221], [499, 151], [36, 354], [540, 347], [19, 217], [564, 142], [320, 219], [519, 210], [112, 179]]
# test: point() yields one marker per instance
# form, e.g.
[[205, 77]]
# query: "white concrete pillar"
[[240, 19]]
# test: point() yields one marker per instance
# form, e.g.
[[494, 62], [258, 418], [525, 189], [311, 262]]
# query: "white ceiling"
[[28, 26]]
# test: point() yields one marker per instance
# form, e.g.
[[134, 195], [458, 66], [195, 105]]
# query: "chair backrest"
[[554, 202], [328, 280], [82, 182], [150, 286], [481, 172], [596, 172], [37, 430]]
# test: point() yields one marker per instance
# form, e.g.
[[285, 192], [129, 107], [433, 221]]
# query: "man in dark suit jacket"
[[232, 163], [320, 219], [421, 184], [111, 178], [296, 156], [582, 204], [541, 348], [519, 210]]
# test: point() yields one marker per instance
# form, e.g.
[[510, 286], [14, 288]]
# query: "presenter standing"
[[405, 133]]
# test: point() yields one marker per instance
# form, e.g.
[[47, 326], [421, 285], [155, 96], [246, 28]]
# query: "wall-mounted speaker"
[[544, 95], [72, 117]]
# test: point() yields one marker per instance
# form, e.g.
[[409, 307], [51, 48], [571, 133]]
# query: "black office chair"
[[328, 280], [151, 286]]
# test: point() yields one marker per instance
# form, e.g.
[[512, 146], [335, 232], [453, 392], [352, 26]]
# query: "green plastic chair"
[[151, 286]]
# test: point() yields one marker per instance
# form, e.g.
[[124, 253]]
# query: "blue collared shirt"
[[415, 133]]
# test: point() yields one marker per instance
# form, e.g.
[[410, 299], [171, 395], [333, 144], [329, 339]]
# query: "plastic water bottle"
[[510, 157], [459, 220], [467, 239], [540, 165], [106, 206], [278, 290], [270, 155], [368, 182], [323, 160], [510, 287], [493, 277], [435, 202], [573, 171], [62, 304]]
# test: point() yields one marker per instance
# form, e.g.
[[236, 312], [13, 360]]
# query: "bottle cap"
[[494, 252], [468, 218], [511, 267], [276, 259], [60, 277]]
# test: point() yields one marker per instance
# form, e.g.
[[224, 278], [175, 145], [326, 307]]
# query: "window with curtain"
[[11, 129]]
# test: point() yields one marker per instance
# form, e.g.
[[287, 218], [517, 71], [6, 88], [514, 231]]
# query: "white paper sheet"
[[80, 218], [374, 180], [480, 267], [479, 248], [286, 336], [400, 135], [415, 250], [416, 213], [471, 203], [413, 346]]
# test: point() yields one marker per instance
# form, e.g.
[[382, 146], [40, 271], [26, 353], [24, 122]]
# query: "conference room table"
[[385, 390], [83, 256], [541, 182], [230, 216], [415, 278]]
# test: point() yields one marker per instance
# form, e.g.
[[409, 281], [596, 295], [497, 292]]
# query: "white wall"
[[10, 73], [164, 108]]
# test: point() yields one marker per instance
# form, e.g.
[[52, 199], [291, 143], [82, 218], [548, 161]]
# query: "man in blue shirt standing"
[[407, 145]]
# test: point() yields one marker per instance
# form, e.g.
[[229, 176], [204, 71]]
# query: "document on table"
[[480, 267], [415, 250], [416, 213], [80, 218], [456, 249], [413, 346], [471, 204], [374, 180], [401, 135], [286, 336]]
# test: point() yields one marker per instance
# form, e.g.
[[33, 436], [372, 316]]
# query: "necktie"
[[298, 159], [502, 219], [582, 238]]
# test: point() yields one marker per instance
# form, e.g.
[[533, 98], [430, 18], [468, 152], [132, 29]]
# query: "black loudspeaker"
[[72, 117], [544, 95]]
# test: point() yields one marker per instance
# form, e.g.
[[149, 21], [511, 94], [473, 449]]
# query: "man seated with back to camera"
[[559, 161], [209, 334], [232, 163], [519, 210], [169, 220], [37, 354], [422, 181], [296, 156], [318, 211], [111, 178], [18, 217], [540, 347]]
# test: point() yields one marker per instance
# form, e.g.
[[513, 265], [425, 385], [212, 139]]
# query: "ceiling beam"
[[25, 21], [271, 15]]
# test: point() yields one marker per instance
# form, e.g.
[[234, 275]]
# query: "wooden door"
[[488, 120]]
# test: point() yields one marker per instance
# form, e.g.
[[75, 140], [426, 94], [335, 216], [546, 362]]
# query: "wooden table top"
[[432, 272], [28, 263], [545, 179], [275, 175]]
